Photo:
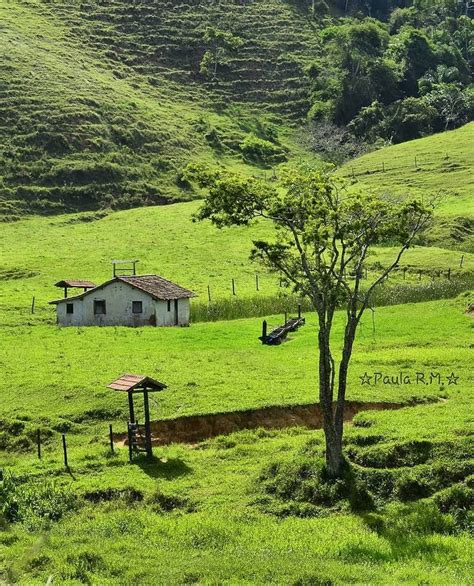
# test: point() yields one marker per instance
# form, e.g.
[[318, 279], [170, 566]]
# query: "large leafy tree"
[[323, 237]]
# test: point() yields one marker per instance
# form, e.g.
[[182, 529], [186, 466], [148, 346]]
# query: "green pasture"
[[436, 165], [201, 510], [37, 252]]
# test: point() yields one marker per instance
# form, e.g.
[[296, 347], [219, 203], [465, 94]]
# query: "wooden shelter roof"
[[76, 283], [129, 383]]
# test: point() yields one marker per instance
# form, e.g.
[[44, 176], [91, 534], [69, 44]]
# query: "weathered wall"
[[167, 318]]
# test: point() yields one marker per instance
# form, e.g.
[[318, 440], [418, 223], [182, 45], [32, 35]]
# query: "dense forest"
[[103, 104], [398, 78]]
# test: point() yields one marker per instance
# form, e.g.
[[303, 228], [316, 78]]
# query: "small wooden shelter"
[[133, 384], [74, 284]]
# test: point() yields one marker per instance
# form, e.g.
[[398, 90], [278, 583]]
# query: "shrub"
[[410, 488], [307, 481], [36, 503], [394, 455], [458, 500], [166, 503], [260, 150]]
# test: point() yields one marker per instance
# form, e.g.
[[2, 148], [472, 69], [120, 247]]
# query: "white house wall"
[[118, 297]]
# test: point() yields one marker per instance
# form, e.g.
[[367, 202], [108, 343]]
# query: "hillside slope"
[[439, 165], [103, 103]]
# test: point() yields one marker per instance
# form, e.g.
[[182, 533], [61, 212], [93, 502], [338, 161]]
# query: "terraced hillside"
[[168, 39], [103, 103]]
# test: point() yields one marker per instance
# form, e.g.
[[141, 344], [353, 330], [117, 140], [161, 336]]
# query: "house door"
[[175, 312]]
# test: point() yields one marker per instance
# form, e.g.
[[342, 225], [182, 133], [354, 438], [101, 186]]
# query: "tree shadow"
[[162, 467]]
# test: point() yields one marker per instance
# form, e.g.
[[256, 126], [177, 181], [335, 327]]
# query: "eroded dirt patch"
[[196, 428]]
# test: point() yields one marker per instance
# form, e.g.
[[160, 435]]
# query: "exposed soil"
[[195, 428]]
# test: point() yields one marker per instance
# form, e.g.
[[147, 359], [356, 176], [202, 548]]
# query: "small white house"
[[145, 300]]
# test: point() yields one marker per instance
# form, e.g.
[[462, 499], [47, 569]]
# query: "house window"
[[69, 307], [169, 304], [99, 307], [137, 307]]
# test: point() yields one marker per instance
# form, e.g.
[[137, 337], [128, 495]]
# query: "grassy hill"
[[167, 242], [436, 165], [207, 511], [102, 104]]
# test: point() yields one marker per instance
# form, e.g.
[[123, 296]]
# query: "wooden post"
[[353, 176], [299, 310], [460, 264], [405, 272], [130, 407], [383, 166], [38, 442], [449, 274], [233, 286], [65, 451], [256, 282], [130, 447], [33, 304], [286, 317], [111, 437], [146, 404], [264, 329], [209, 293]]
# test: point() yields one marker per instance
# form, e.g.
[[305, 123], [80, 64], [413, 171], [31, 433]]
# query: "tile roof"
[[154, 285], [129, 382], [76, 283], [158, 287]]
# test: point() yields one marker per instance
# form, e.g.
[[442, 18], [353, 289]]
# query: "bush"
[[259, 150], [307, 481], [35, 504]]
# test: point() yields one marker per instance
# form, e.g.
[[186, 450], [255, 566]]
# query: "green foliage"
[[261, 151], [35, 504], [375, 78]]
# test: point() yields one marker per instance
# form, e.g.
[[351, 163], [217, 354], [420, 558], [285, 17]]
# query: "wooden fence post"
[[264, 329], [209, 293], [462, 261], [65, 451], [449, 274], [111, 436], [233, 286], [33, 304], [38, 442], [256, 282]]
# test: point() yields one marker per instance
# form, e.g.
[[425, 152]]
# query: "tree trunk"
[[334, 458]]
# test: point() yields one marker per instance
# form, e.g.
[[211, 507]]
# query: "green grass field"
[[438, 165], [201, 510], [443, 165], [166, 242]]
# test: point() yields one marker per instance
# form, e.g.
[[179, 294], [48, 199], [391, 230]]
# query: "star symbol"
[[452, 379], [365, 379]]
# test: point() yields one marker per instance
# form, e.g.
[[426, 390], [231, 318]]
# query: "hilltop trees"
[[324, 236], [219, 42], [414, 70]]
